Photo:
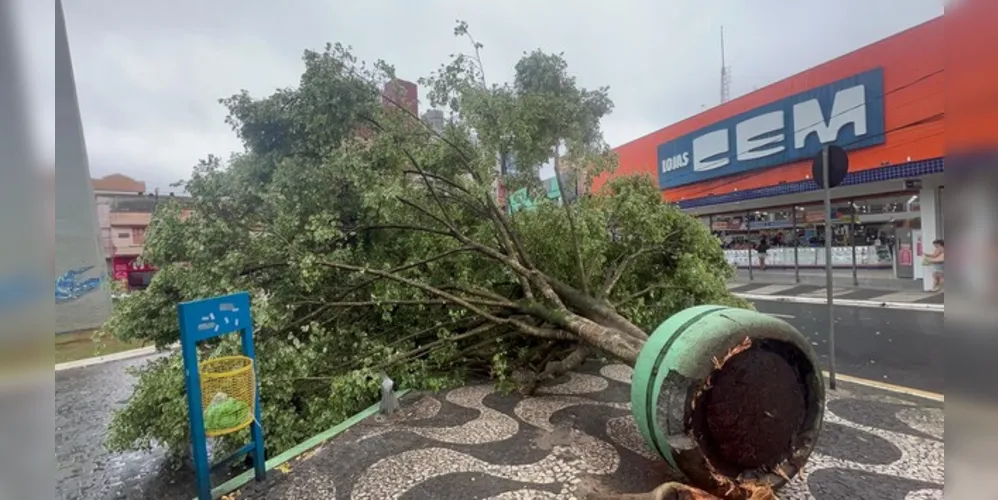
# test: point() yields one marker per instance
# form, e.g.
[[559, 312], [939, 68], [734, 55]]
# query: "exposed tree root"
[[554, 369], [679, 491]]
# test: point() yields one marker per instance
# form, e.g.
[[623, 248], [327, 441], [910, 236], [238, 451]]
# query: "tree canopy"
[[371, 244]]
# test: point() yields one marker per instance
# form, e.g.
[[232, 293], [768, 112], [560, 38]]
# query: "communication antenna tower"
[[725, 74]]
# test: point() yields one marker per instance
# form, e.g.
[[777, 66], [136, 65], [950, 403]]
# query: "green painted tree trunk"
[[729, 397]]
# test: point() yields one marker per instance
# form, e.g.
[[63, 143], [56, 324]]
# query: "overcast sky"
[[149, 74]]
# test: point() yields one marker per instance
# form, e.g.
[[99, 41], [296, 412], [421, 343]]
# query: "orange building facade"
[[745, 166]]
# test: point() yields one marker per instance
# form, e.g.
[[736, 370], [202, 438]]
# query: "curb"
[[910, 306], [300, 449], [118, 356], [884, 386]]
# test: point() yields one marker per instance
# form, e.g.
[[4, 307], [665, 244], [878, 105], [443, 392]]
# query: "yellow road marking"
[[888, 387]]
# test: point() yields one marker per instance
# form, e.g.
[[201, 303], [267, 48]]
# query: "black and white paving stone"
[[578, 435]]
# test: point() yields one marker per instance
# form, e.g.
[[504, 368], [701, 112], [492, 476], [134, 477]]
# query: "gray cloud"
[[149, 73]]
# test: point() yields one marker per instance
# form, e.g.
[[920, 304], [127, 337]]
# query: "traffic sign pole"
[[828, 265]]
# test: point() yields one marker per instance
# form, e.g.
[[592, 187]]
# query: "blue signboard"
[[206, 319], [849, 112]]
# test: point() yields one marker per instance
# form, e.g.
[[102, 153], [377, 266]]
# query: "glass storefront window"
[[892, 204]]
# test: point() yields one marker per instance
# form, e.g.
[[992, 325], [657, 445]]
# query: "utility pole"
[[725, 74]]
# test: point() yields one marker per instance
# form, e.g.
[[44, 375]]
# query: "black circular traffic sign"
[[838, 166]]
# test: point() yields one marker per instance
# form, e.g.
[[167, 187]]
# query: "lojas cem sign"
[[849, 112]]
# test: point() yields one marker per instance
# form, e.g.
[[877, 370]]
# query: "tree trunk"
[[591, 308], [615, 342]]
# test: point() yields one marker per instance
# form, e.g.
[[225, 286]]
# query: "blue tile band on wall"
[[903, 171], [849, 112]]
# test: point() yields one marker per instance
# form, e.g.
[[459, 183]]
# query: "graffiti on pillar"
[[72, 285]]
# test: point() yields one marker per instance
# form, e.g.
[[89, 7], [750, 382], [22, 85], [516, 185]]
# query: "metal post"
[[256, 428], [793, 222], [748, 229], [192, 380], [852, 236], [828, 269]]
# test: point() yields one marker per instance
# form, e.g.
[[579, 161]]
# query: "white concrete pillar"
[[929, 201], [78, 248]]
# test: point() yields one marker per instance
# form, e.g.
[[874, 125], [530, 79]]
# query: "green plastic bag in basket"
[[225, 412]]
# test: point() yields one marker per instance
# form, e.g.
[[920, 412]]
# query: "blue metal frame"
[[201, 320]]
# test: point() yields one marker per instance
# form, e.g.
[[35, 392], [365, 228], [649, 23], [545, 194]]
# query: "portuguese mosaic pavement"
[[577, 437]]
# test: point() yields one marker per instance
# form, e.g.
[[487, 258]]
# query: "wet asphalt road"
[[84, 401], [895, 346]]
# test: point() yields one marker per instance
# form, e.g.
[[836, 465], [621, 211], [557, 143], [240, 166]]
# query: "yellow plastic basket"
[[228, 394]]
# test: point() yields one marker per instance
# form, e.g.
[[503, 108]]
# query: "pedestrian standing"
[[761, 250], [936, 259]]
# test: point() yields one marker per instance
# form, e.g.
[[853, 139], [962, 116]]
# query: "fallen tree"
[[372, 243]]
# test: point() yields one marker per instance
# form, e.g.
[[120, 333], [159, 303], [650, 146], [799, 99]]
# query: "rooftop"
[[118, 183]]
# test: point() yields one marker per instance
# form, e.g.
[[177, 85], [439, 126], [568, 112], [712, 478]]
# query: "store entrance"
[[864, 234]]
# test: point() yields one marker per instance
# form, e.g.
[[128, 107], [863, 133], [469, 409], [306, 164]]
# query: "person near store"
[[761, 250], [936, 259]]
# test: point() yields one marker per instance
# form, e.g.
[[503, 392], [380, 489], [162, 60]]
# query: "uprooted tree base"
[[753, 410], [679, 491], [746, 417]]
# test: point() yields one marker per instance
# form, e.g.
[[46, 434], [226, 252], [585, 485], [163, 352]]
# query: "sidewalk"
[[882, 279], [578, 437], [812, 286]]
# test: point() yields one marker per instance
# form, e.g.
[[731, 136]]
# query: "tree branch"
[[542, 332], [505, 231], [642, 293], [427, 348], [416, 302], [474, 291], [592, 308], [507, 240], [619, 270], [454, 299], [403, 227], [441, 179], [525, 275], [583, 277], [472, 348], [469, 323], [616, 343], [429, 185], [528, 292], [415, 206], [262, 267], [404, 267]]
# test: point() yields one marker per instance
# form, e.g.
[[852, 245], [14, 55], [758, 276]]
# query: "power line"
[[880, 97]]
